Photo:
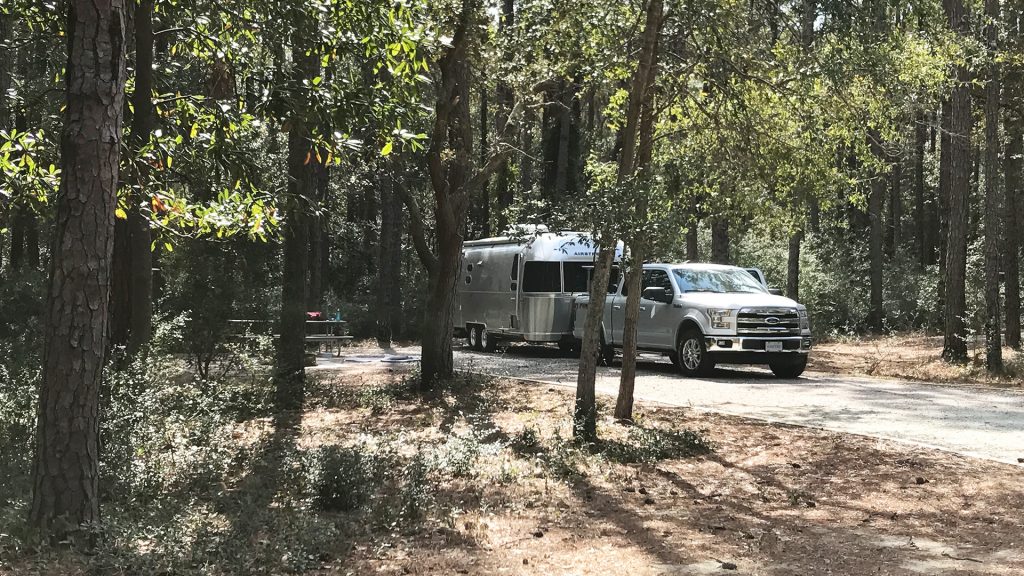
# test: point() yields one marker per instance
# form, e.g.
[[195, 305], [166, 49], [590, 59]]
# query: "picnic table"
[[330, 332]]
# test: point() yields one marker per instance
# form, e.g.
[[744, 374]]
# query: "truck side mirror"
[[657, 294]]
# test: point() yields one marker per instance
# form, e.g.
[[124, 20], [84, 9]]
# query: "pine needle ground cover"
[[482, 478]]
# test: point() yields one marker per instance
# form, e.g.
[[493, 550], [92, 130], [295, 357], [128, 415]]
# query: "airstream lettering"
[[523, 288]]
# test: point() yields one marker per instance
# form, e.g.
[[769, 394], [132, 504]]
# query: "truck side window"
[[655, 278], [613, 280], [542, 277]]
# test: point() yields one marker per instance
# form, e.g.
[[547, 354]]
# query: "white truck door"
[[656, 321]]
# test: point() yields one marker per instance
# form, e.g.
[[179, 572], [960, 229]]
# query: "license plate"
[[773, 346]]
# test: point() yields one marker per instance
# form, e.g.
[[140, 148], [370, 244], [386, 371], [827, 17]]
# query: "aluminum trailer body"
[[516, 288]]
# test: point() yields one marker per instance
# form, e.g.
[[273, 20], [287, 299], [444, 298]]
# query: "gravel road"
[[982, 422]]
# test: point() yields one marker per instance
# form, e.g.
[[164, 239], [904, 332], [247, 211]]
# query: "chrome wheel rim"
[[483, 338], [690, 354], [473, 337]]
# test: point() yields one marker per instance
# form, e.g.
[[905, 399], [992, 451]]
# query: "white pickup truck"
[[703, 314]]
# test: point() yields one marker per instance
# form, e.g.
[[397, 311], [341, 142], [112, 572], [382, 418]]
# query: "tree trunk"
[[720, 240], [692, 246], [993, 205], [289, 368], [1014, 170], [454, 181], [875, 206], [645, 149], [505, 100], [921, 232], [318, 236], [793, 266], [389, 269], [958, 172], [895, 231], [483, 215], [65, 494], [585, 410], [131, 306]]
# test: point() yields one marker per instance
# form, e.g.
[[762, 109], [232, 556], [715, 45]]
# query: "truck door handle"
[[616, 307], [643, 308]]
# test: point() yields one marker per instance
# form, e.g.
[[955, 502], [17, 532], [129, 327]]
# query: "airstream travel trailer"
[[523, 287]]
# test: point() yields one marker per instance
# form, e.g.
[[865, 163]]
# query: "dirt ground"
[[911, 357], [769, 499]]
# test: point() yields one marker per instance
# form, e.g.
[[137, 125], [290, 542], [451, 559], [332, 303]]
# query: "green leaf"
[[386, 149]]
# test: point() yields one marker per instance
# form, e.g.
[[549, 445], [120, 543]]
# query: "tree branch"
[[416, 230]]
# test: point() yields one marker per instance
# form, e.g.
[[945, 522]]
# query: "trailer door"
[[515, 278]]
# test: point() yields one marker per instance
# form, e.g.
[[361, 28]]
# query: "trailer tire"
[[474, 337], [488, 343]]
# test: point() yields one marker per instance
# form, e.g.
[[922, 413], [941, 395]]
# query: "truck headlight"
[[719, 317], [805, 321]]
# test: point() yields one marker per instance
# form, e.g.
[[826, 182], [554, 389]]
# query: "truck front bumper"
[[726, 345]]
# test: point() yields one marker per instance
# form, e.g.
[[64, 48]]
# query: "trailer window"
[[542, 277]]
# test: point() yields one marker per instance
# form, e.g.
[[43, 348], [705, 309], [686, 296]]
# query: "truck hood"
[[735, 300]]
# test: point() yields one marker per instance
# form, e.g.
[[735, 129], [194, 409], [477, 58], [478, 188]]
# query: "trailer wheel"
[[487, 342], [474, 337]]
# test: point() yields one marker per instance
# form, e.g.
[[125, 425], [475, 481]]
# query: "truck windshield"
[[726, 281]]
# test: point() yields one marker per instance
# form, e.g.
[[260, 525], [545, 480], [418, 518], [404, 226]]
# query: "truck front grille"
[[767, 322]]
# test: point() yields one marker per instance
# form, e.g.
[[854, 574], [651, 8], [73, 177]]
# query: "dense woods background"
[[169, 165]]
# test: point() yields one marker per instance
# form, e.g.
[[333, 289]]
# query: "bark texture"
[[993, 202], [1013, 163], [65, 476], [957, 171]]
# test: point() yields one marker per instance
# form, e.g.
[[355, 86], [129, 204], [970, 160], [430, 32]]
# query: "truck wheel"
[[789, 368], [487, 342], [474, 337], [692, 354]]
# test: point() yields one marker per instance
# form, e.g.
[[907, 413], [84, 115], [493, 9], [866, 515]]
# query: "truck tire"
[[488, 343], [692, 356], [789, 368], [474, 337]]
